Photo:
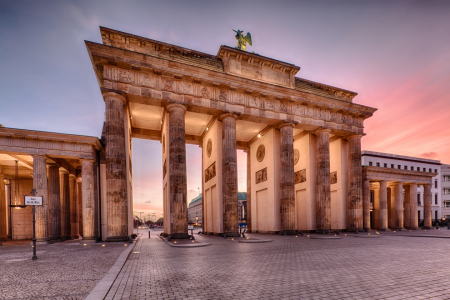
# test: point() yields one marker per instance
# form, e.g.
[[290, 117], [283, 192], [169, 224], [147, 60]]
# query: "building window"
[[370, 163], [399, 167], [435, 170], [435, 184], [418, 169], [429, 170], [378, 164], [418, 199], [385, 165], [447, 204], [435, 198], [446, 177], [406, 167], [446, 191], [412, 168], [392, 166], [424, 169]]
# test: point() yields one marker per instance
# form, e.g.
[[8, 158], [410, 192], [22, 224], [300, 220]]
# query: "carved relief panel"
[[210, 172], [261, 175], [300, 176], [260, 153]]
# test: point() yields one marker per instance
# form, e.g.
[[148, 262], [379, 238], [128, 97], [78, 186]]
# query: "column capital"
[[171, 105], [353, 136], [286, 123], [39, 156], [115, 96], [227, 115], [82, 159], [320, 130]]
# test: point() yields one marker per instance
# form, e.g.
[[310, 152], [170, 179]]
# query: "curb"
[[102, 288]]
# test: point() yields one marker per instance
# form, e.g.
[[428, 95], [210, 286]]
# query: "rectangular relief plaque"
[[210, 172], [300, 176], [333, 177], [261, 175]]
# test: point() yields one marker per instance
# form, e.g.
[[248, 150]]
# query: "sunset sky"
[[394, 54]]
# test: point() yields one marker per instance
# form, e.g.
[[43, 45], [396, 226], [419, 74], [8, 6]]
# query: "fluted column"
[[366, 205], [54, 203], [323, 181], [249, 191], [413, 206], [427, 200], [383, 206], [399, 217], [116, 193], [40, 185], [87, 186], [65, 207], [74, 222], [80, 207], [355, 193], [3, 208], [287, 201], [177, 167], [229, 175], [407, 209]]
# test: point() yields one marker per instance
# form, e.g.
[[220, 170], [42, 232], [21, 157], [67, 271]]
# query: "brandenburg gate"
[[302, 138]]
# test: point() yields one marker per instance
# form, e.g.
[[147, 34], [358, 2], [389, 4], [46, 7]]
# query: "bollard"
[[149, 234]]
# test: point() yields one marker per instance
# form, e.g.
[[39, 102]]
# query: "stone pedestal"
[[54, 203], [413, 206], [40, 185], [65, 207], [366, 205], [116, 193], [90, 232], [427, 201], [3, 208], [383, 206], [229, 175], [74, 222], [287, 201], [399, 217], [323, 193], [177, 174], [355, 196]]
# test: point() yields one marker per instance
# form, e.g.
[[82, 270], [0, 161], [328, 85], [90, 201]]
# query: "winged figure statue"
[[243, 40]]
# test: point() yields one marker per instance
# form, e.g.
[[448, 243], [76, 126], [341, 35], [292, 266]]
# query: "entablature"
[[405, 176]]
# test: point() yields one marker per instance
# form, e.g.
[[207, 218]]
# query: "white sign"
[[33, 200]]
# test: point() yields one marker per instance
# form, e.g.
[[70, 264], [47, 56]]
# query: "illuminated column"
[[427, 206], [323, 181], [366, 205], [413, 206], [399, 218], [383, 206], [65, 207], [177, 167], [407, 210], [249, 192], [40, 185], [54, 203], [3, 208], [287, 201], [80, 207], [229, 175], [74, 222], [355, 196], [116, 184], [87, 186]]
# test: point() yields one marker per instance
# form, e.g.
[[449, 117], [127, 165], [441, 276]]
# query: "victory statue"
[[243, 40]]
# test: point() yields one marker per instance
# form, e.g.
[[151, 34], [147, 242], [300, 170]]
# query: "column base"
[[45, 241], [356, 230], [119, 239], [67, 237], [383, 229], [75, 237], [231, 234], [180, 236], [427, 227], [93, 239], [289, 232], [400, 229]]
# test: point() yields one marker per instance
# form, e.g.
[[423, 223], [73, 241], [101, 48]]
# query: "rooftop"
[[399, 157]]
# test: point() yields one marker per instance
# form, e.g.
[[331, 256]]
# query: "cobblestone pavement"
[[66, 270], [388, 266]]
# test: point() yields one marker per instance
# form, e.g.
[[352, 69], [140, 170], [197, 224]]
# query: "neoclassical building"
[[302, 139]]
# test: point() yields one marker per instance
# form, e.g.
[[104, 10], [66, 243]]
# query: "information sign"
[[33, 200]]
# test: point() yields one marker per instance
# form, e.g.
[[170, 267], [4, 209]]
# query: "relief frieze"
[[210, 172], [261, 175], [300, 176]]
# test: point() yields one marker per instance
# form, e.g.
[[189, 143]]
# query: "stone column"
[[74, 223], [407, 209], [87, 186], [96, 202], [383, 206], [80, 208], [366, 205], [287, 201], [65, 207], [54, 203], [229, 175], [427, 201], [399, 218], [3, 208], [323, 181], [177, 167], [116, 180], [413, 206], [355, 196], [249, 192], [40, 185]]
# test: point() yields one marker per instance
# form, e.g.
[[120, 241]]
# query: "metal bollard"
[[149, 234]]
